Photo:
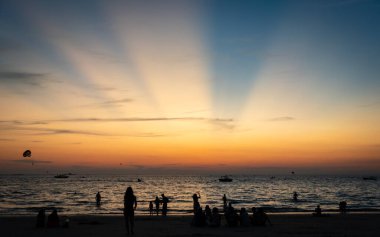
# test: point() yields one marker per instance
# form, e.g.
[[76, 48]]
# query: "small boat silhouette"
[[370, 178], [61, 176], [225, 178]]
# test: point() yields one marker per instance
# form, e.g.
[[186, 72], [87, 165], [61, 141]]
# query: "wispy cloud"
[[6, 139], [26, 78], [148, 134], [117, 102], [126, 119], [23, 77], [143, 119], [19, 122], [31, 161], [372, 104], [281, 119], [52, 131], [221, 123], [48, 131]]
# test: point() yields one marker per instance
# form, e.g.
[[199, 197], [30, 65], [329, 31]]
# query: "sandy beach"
[[283, 225]]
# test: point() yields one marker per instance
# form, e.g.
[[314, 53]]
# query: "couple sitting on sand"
[[206, 218], [52, 220], [259, 217]]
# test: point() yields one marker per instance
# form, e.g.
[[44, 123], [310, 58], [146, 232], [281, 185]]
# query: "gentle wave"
[[21, 195]]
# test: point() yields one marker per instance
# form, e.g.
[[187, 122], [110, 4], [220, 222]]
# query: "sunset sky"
[[195, 86]]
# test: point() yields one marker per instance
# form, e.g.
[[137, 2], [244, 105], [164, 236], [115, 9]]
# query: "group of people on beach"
[[207, 217], [212, 217], [130, 204], [53, 219], [157, 202]]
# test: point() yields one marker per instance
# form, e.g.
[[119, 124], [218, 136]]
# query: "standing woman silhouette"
[[130, 204]]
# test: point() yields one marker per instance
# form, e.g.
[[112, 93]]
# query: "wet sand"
[[283, 225]]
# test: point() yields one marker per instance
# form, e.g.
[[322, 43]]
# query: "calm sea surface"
[[26, 194]]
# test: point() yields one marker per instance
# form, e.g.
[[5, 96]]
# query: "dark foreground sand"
[[283, 225]]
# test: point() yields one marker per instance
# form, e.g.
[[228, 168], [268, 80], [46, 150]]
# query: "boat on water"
[[225, 178], [139, 180], [61, 176], [370, 178]]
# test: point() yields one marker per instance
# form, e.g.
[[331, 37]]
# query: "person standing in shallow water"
[[295, 197], [157, 202], [165, 201], [196, 204], [98, 199], [130, 204], [224, 202]]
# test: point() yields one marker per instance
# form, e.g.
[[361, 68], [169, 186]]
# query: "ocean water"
[[26, 194]]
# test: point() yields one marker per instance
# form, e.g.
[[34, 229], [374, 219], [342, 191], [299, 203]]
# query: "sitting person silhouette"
[[231, 216], [244, 218], [41, 219], [53, 219], [343, 207], [261, 218], [199, 218], [208, 214], [317, 211], [254, 214], [215, 218]]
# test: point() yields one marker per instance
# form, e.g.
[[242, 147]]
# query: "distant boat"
[[139, 180], [225, 178], [370, 178], [61, 176]]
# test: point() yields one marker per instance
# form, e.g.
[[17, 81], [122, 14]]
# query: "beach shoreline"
[[354, 224]]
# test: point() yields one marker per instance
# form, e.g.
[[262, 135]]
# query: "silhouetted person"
[[98, 199], [53, 219], [199, 218], [295, 196], [157, 202], [150, 208], [130, 204], [208, 214], [231, 216], [343, 207], [318, 211], [41, 219], [244, 218], [196, 204], [254, 216], [224, 202], [262, 218], [165, 201], [215, 218]]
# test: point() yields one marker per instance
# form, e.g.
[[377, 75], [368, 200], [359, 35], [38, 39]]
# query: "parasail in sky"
[[27, 153]]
